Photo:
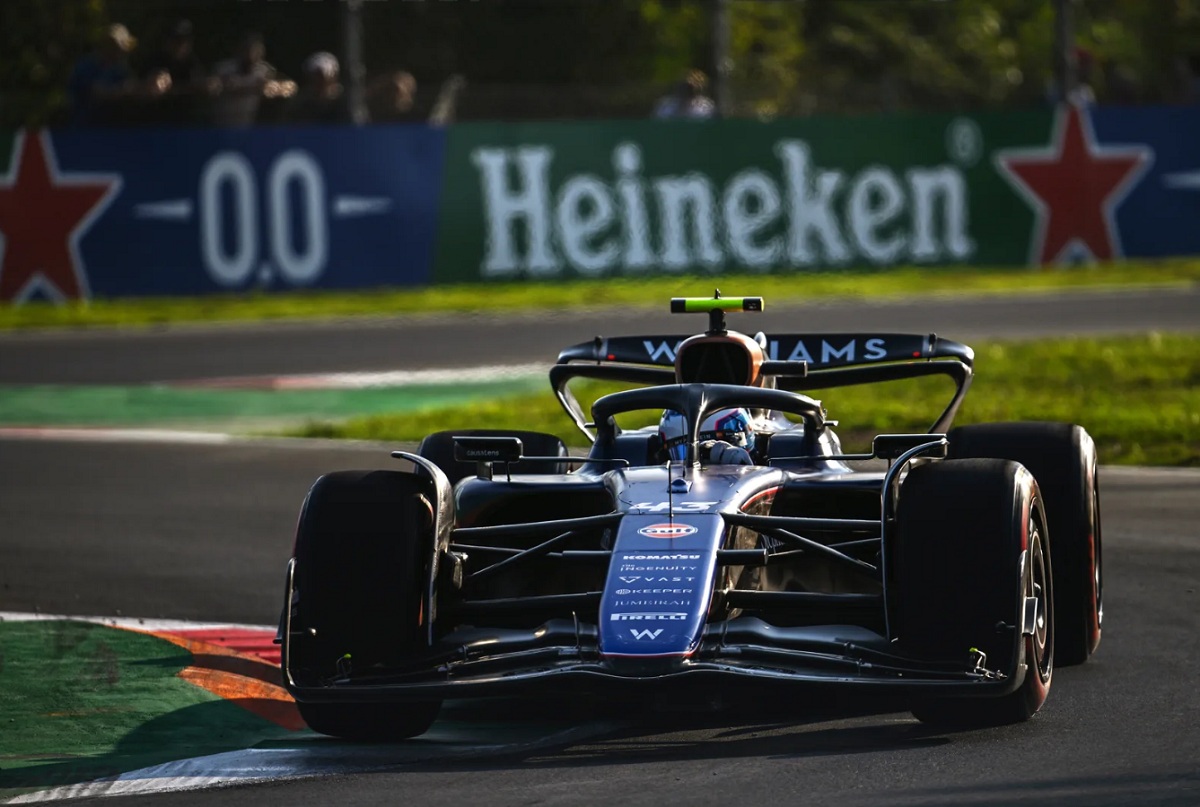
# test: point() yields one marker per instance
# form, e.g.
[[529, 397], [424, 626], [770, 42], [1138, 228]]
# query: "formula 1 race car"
[[733, 546]]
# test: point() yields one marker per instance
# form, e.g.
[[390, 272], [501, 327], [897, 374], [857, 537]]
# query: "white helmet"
[[732, 426]]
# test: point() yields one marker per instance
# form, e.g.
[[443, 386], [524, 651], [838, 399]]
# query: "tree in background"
[[41, 40], [814, 56], [613, 58]]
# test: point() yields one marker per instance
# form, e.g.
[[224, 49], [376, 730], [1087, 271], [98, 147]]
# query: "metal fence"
[[545, 60]]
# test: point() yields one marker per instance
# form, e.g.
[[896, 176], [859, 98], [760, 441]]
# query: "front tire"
[[358, 604], [972, 548], [1062, 457], [370, 722]]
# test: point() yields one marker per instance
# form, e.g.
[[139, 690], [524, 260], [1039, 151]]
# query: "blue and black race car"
[[730, 545]]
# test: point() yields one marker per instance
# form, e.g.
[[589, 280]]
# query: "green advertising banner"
[[634, 197]]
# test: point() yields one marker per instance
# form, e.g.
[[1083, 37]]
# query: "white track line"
[[322, 757], [103, 435], [180, 436], [370, 380], [133, 623]]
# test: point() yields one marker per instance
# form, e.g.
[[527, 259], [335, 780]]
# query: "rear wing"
[[795, 362]]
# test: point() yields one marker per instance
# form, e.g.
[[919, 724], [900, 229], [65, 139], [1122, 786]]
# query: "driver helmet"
[[732, 426]]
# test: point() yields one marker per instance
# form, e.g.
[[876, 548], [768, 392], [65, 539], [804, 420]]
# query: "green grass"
[[83, 701], [1138, 396], [653, 292], [228, 409]]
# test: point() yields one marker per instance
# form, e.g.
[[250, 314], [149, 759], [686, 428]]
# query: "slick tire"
[[361, 546], [439, 449], [370, 722], [971, 548], [1062, 457]]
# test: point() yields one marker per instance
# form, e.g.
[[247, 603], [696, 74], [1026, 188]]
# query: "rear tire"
[[359, 583], [971, 547], [438, 448], [1062, 457]]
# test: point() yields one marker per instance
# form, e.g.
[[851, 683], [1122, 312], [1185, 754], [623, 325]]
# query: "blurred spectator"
[[687, 99], [177, 61], [447, 101], [245, 80], [102, 78], [176, 75], [390, 97], [1082, 94], [321, 98]]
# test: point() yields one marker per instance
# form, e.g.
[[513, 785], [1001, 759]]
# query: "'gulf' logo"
[[667, 530]]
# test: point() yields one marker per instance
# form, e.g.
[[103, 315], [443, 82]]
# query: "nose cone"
[[657, 594]]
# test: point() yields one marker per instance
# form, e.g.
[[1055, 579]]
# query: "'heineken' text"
[[801, 216]]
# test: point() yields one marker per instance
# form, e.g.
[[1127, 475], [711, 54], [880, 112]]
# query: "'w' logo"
[[663, 350], [645, 634]]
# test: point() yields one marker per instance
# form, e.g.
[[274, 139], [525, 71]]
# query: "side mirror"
[[892, 446], [483, 451]]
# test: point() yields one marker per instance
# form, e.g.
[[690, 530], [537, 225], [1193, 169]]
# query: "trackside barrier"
[[116, 213]]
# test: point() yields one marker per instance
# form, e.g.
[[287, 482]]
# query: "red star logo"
[[1075, 187], [43, 214]]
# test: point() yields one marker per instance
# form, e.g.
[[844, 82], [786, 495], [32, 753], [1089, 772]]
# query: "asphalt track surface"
[[202, 532], [199, 352]]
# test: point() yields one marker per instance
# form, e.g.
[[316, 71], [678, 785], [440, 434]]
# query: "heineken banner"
[[173, 212], [633, 197], [626, 198]]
